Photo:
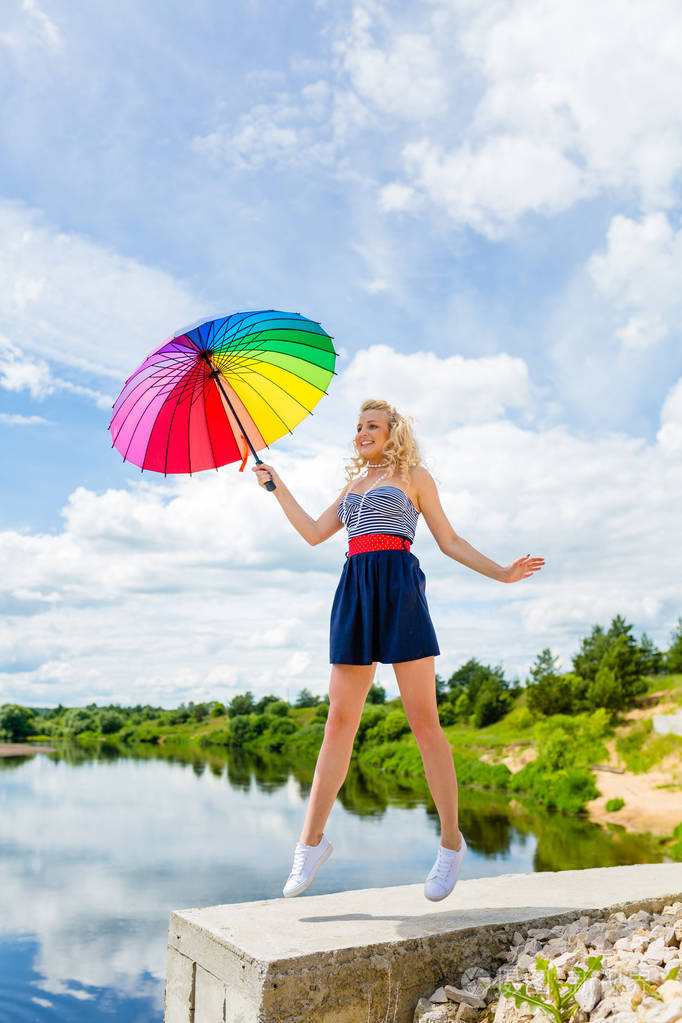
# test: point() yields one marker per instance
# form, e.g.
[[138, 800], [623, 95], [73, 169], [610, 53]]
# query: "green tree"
[[240, 705], [618, 651], [264, 702], [592, 648], [673, 657], [306, 699], [651, 657], [548, 692], [492, 702], [376, 694], [217, 710], [16, 722]]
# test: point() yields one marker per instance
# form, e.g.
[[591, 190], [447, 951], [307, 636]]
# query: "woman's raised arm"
[[456, 547], [314, 531]]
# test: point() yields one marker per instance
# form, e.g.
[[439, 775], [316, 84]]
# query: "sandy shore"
[[22, 749], [653, 801]]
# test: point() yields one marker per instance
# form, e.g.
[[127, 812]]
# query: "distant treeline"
[[564, 716]]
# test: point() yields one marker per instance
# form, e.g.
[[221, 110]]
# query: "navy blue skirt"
[[380, 612]]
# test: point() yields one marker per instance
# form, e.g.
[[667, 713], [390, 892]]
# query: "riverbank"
[[611, 768]]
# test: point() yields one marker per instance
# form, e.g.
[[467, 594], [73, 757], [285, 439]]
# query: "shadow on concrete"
[[459, 919]]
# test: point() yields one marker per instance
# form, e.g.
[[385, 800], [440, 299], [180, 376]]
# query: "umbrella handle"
[[270, 485]]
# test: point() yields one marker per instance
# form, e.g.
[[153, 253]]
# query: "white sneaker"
[[307, 860], [443, 875]]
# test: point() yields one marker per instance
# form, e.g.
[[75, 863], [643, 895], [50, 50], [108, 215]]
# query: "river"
[[96, 849]]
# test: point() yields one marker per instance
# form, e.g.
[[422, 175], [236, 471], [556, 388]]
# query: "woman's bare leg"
[[417, 684], [348, 688]]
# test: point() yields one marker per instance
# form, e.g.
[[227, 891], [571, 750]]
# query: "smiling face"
[[372, 434]]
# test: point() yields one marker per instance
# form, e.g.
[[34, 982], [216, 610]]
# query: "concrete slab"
[[355, 956]]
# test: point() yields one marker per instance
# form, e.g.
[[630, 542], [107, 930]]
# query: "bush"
[[395, 725], [371, 717], [447, 714], [242, 729], [217, 710], [16, 722], [322, 711], [560, 790], [219, 737], [278, 731], [376, 694], [482, 774], [110, 721], [78, 720], [277, 708], [612, 805]]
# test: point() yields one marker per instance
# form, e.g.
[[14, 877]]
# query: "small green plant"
[[563, 1005], [649, 989], [615, 804]]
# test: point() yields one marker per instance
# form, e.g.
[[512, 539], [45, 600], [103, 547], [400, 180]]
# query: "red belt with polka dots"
[[376, 542]]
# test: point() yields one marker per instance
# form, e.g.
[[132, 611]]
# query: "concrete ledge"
[[366, 956]]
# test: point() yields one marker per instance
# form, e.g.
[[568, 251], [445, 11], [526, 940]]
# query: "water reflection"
[[96, 849]]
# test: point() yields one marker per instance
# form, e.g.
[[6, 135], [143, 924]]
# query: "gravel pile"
[[638, 954]]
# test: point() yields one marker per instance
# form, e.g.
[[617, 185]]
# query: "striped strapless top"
[[384, 509]]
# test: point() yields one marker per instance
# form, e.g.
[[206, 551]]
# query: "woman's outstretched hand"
[[523, 568], [265, 473]]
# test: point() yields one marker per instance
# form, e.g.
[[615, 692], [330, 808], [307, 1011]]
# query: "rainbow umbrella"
[[214, 391]]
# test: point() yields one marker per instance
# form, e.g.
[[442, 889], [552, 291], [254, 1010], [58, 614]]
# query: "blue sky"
[[481, 202]]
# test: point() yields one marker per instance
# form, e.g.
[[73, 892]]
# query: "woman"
[[380, 613]]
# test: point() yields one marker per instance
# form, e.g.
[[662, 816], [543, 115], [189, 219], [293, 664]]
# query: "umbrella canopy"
[[211, 392]]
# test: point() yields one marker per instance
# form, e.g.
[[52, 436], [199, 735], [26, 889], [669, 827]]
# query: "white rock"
[[666, 1012], [596, 935], [670, 989], [540, 932], [518, 938], [426, 1012], [533, 945], [654, 974], [604, 1009], [456, 994], [422, 1006], [564, 963], [589, 994], [525, 962], [438, 995], [465, 1012], [627, 1016]]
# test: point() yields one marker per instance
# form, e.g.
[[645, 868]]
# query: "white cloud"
[[670, 434], [15, 419], [21, 372], [33, 30], [404, 79], [641, 275], [440, 391], [197, 588], [69, 304], [560, 103]]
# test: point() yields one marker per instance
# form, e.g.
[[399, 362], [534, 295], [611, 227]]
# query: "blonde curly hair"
[[402, 449]]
